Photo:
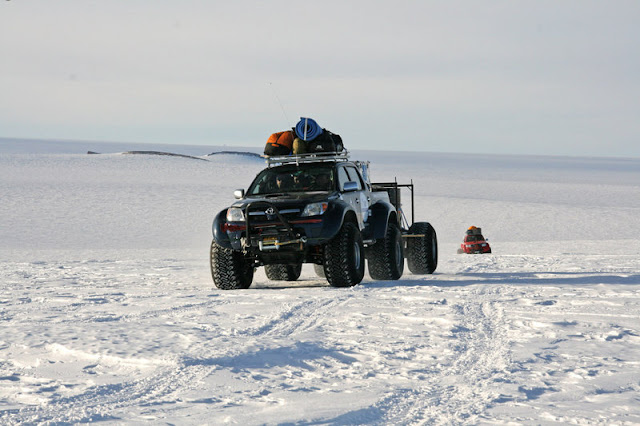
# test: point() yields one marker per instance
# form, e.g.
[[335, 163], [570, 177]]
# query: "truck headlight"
[[314, 209], [235, 214]]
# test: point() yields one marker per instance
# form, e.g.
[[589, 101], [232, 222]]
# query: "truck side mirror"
[[239, 194], [350, 186]]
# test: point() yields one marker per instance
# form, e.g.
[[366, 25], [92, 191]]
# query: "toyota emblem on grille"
[[270, 211]]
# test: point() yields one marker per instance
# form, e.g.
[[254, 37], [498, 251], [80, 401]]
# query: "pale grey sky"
[[517, 77]]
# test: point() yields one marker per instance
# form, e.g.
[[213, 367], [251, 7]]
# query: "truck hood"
[[288, 199]]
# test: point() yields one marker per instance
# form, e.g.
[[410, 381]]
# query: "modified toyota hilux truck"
[[320, 209]]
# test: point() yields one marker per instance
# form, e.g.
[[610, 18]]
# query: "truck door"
[[359, 199], [364, 199]]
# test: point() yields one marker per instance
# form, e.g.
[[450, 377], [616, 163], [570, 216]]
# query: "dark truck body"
[[299, 206]]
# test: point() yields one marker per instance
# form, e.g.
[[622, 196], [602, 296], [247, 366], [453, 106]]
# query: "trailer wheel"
[[281, 272], [422, 252], [386, 256], [229, 268]]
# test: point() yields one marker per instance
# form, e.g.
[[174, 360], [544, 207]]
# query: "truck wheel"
[[422, 252], [229, 268], [319, 270], [386, 256], [282, 272], [344, 257]]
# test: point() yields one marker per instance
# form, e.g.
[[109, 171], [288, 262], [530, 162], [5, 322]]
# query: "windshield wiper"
[[276, 194]]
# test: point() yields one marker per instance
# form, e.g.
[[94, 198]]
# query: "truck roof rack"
[[307, 158]]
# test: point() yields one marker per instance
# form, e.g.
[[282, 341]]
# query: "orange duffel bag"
[[280, 143]]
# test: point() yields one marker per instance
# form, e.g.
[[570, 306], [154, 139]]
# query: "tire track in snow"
[[295, 319], [166, 384], [101, 402], [465, 387]]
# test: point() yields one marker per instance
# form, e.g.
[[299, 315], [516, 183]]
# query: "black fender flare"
[[220, 236], [334, 217], [381, 214]]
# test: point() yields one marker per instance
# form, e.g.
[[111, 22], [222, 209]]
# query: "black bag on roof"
[[325, 142]]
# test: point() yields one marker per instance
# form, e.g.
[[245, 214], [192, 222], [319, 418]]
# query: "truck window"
[[354, 176], [343, 178]]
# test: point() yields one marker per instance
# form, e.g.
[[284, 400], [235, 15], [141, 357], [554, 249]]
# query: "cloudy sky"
[[516, 77]]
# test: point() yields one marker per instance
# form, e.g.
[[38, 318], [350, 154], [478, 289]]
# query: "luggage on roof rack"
[[307, 137], [280, 143], [474, 230], [325, 142], [310, 138]]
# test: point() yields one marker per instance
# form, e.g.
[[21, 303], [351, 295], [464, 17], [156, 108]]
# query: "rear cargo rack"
[[306, 158], [393, 189]]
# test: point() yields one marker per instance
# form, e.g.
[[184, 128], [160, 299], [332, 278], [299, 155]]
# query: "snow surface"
[[109, 313]]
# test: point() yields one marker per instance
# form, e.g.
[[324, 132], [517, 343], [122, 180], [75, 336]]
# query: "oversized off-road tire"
[[344, 257], [229, 268], [386, 256], [319, 270], [422, 252], [281, 272]]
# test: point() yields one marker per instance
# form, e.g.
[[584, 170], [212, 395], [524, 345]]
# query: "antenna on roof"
[[279, 103]]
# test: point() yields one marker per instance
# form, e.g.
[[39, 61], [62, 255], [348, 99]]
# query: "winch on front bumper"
[[267, 228]]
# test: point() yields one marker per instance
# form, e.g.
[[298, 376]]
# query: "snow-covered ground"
[[109, 313]]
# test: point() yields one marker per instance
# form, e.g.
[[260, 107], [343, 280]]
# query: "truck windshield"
[[293, 178]]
